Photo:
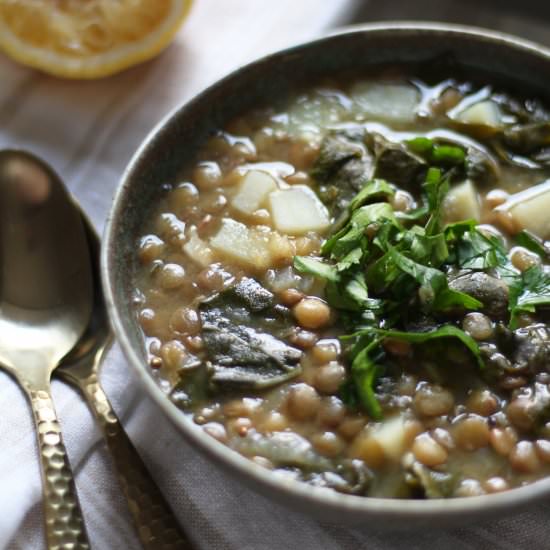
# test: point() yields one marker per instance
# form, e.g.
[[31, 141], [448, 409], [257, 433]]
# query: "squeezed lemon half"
[[88, 38]]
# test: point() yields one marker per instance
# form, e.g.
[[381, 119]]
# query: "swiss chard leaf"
[[244, 342]]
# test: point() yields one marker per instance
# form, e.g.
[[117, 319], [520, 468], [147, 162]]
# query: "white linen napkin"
[[88, 131]]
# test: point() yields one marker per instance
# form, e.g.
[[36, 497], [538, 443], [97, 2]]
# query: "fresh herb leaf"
[[317, 268], [430, 250], [447, 155], [445, 331], [532, 242], [414, 215], [530, 290], [438, 154], [476, 251], [377, 188], [365, 372], [428, 277], [353, 234], [450, 298], [436, 187], [351, 258], [434, 291], [420, 145]]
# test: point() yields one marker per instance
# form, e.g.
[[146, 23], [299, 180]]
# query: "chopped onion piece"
[[298, 210]]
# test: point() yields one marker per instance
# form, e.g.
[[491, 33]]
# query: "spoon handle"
[[157, 527], [64, 521]]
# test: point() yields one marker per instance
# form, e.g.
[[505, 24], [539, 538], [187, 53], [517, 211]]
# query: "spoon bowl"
[[46, 295]]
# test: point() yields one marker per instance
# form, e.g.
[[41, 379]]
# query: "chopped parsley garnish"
[[383, 267]]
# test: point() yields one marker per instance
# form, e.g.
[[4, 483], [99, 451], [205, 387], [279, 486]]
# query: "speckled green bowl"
[[491, 55]]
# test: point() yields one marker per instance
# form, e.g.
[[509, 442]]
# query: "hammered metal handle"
[[64, 522], [157, 527]]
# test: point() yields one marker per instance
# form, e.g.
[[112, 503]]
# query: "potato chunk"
[[462, 203], [253, 191], [246, 246], [529, 210], [297, 210]]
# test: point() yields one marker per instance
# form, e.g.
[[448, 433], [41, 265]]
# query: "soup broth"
[[350, 288]]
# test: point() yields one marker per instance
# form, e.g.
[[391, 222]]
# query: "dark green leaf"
[[455, 231], [356, 289], [382, 273], [336, 150], [239, 329], [398, 164], [337, 298]]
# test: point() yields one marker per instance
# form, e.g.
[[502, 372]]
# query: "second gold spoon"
[[155, 522]]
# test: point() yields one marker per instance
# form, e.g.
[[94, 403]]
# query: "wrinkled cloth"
[[87, 131]]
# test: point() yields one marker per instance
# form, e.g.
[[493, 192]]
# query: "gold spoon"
[[46, 295], [155, 522]]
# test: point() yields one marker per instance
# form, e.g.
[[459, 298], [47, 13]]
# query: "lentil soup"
[[351, 288]]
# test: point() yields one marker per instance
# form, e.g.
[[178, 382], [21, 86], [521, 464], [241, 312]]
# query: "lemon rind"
[[101, 65]]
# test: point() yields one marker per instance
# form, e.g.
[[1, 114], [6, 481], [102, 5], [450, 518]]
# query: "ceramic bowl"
[[491, 56]]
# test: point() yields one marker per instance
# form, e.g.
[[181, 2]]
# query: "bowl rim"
[[222, 455]]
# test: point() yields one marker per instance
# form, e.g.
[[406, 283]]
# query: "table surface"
[[88, 131]]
